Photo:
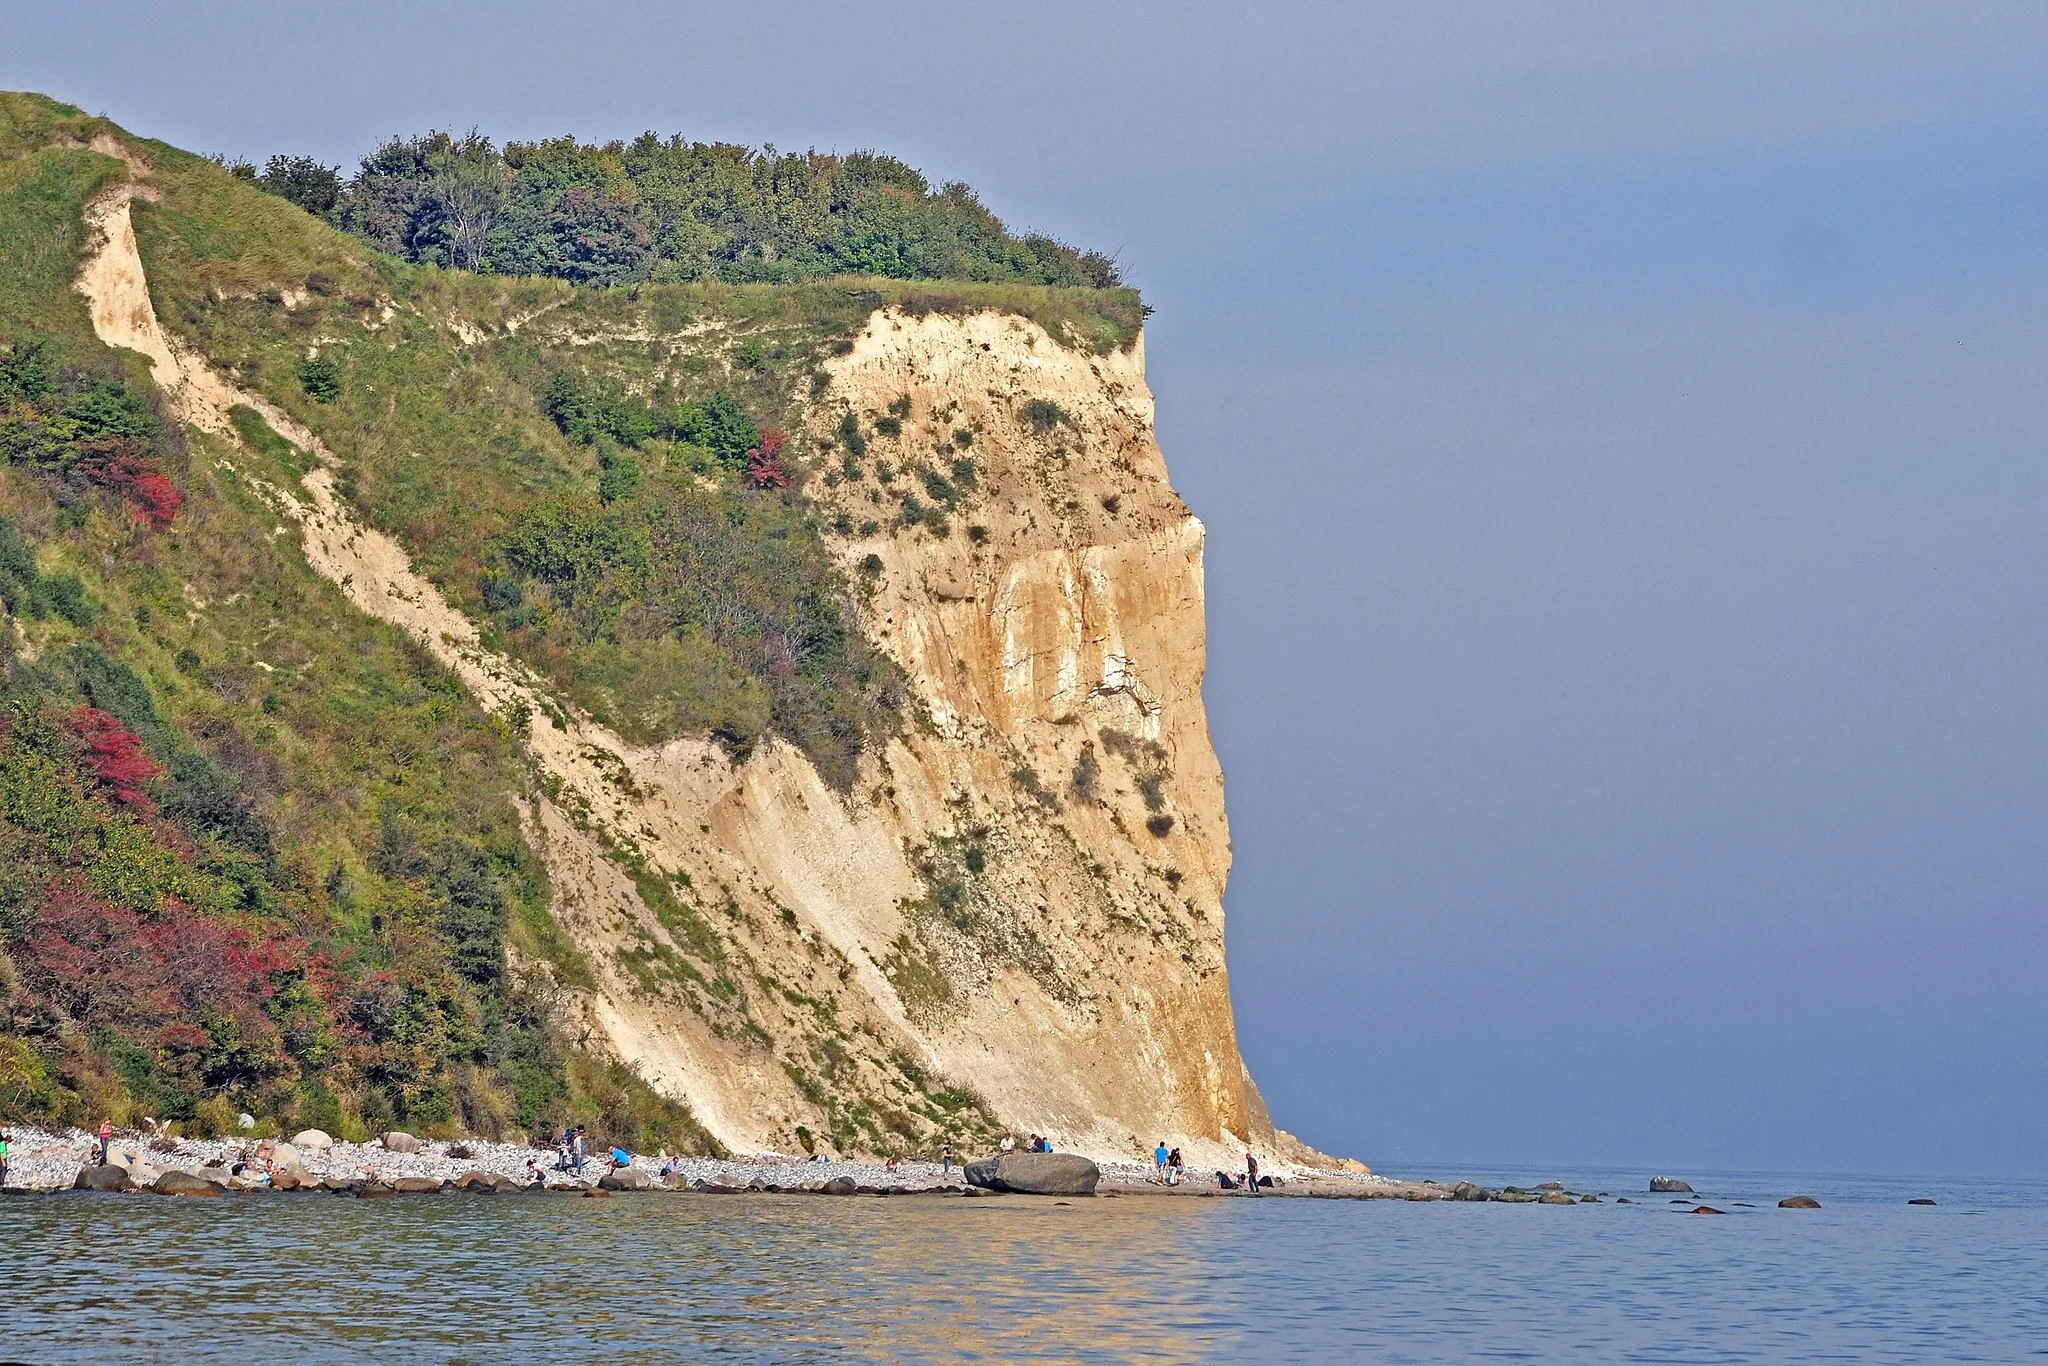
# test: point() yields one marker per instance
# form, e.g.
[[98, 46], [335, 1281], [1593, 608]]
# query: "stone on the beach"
[[185, 1183], [1709, 1209], [313, 1141], [1467, 1190], [459, 1151], [703, 1187], [417, 1185], [340, 1185], [840, 1185], [245, 1121], [1669, 1185], [1556, 1198], [287, 1155], [1035, 1174], [107, 1178], [374, 1190], [291, 1179], [626, 1179], [399, 1141], [480, 1183], [1923, 1200], [1799, 1202]]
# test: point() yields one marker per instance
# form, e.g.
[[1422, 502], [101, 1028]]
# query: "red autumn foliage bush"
[[765, 469], [116, 758], [123, 465]]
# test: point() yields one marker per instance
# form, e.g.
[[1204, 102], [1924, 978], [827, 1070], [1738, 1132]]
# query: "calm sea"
[[746, 1278]]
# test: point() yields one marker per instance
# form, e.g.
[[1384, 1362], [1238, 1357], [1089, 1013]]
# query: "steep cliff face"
[[1014, 917]]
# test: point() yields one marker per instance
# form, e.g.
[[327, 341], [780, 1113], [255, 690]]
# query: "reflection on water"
[[760, 1278]]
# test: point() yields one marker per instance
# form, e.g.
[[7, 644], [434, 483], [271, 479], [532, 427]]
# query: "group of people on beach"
[[1038, 1143], [1166, 1165]]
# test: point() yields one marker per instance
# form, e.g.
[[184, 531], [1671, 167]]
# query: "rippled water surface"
[[320, 1278]]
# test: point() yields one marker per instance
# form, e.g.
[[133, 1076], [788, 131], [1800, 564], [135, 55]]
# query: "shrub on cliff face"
[[81, 431]]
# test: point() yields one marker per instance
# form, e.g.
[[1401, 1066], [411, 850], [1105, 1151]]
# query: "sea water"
[[762, 1278]]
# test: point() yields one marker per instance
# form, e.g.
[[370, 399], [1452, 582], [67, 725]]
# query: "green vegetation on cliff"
[[263, 852]]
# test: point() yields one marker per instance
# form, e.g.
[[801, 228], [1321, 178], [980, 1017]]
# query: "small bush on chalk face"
[[320, 377]]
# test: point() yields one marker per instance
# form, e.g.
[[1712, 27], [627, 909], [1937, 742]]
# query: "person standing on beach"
[[578, 1150], [947, 1158], [1173, 1167], [106, 1143], [1159, 1156], [1251, 1173], [5, 1139]]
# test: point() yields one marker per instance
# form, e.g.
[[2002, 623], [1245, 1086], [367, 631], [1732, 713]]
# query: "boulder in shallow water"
[[626, 1179], [1556, 1198], [1035, 1174], [1799, 1202], [840, 1185], [185, 1183], [1511, 1196], [1589, 1199], [313, 1141], [374, 1190], [417, 1185], [1467, 1190], [1708, 1209], [1923, 1200], [1669, 1185], [107, 1178]]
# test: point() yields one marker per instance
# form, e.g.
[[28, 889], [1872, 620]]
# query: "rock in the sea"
[[1551, 1186], [399, 1141], [1466, 1190], [107, 1178], [1556, 1198], [484, 1183], [185, 1183], [1035, 1174], [1589, 1199], [593, 1193], [374, 1190], [313, 1141], [417, 1185], [1923, 1200], [292, 1179], [840, 1185], [627, 1179], [1799, 1202], [1623, 1200], [1708, 1209], [1669, 1185], [703, 1187], [1511, 1196]]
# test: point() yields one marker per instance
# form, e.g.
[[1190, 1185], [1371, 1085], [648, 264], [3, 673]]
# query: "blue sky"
[[1619, 428]]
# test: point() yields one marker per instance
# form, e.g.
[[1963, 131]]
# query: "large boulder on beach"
[[313, 1141], [286, 1155], [1035, 1174], [627, 1179], [399, 1141], [1669, 1185], [417, 1185], [185, 1183], [107, 1178], [840, 1185]]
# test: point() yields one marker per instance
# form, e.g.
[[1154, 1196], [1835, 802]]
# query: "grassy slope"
[[336, 721]]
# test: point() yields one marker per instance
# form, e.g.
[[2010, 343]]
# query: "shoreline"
[[50, 1162]]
